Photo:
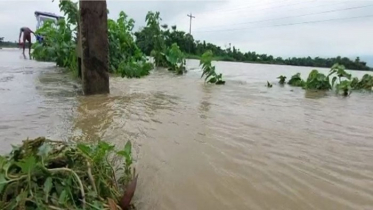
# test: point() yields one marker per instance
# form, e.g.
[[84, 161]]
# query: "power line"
[[241, 7], [286, 5], [290, 24], [190, 26], [307, 7], [315, 13]]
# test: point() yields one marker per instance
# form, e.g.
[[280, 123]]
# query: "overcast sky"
[[265, 26]]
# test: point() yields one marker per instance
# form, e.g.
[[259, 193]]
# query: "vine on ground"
[[46, 174]]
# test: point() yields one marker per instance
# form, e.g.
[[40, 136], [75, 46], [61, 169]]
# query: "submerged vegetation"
[[209, 70], [341, 81], [175, 59], [125, 57], [46, 174], [282, 79]]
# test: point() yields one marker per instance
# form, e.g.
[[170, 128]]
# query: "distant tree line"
[[195, 48], [7, 43]]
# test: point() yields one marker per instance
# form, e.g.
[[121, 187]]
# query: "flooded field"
[[239, 146]]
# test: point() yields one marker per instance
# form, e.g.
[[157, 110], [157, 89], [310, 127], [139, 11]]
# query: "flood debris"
[[46, 174]]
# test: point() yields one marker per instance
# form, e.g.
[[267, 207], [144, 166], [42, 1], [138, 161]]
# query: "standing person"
[[26, 36]]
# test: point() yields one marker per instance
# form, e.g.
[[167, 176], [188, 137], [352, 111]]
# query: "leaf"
[[48, 184], [212, 80], [333, 80], [85, 149], [44, 150], [63, 197], [210, 74], [27, 165], [3, 182], [128, 148]]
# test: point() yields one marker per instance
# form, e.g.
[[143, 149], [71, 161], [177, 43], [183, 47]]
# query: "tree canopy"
[[195, 48]]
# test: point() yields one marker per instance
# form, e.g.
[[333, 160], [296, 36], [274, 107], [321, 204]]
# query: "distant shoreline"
[[217, 58]]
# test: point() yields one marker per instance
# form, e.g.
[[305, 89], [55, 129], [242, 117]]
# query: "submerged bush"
[[175, 59], [365, 83], [341, 81], [282, 79], [134, 69], [296, 80], [317, 81], [208, 69], [46, 174]]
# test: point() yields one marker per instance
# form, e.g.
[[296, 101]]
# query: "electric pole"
[[190, 22], [190, 28]]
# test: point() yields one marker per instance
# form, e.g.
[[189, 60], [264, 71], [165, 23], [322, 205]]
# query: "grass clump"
[[45, 174]]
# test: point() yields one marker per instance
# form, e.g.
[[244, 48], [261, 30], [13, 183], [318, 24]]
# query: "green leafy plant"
[[46, 174], [208, 69], [159, 48], [341, 81], [296, 80], [344, 87], [58, 45], [269, 84], [366, 83], [340, 72], [134, 69], [282, 79], [317, 81], [176, 59], [125, 57]]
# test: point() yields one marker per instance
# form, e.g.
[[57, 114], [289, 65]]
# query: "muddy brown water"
[[238, 146]]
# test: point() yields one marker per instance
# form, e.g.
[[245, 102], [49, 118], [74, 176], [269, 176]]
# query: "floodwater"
[[239, 146]]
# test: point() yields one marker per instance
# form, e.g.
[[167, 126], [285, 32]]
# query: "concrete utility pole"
[[190, 22], [94, 47]]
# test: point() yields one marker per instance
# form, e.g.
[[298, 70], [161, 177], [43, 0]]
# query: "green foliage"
[[296, 80], [269, 85], [344, 87], [58, 45], [317, 81], [208, 69], [46, 174], [134, 69], [159, 48], [341, 81], [282, 79], [71, 10], [125, 57], [176, 59], [365, 83]]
